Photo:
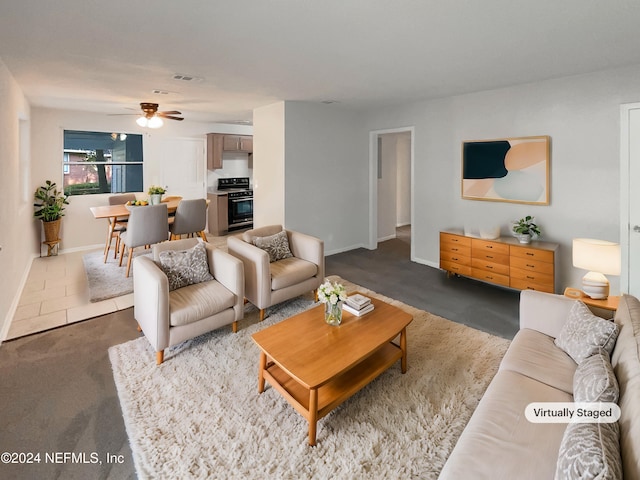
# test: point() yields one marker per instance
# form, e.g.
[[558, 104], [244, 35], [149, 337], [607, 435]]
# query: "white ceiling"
[[107, 56]]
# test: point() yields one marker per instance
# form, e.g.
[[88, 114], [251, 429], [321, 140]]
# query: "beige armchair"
[[168, 318], [269, 283]]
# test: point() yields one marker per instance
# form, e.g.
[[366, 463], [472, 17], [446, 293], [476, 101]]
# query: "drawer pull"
[[531, 278], [489, 246], [531, 266], [489, 256], [531, 254], [488, 266], [454, 249], [489, 277], [454, 258], [455, 240]]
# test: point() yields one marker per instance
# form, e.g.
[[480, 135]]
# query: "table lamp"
[[599, 257]]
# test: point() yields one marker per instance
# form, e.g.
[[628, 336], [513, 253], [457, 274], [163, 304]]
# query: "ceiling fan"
[[152, 118]]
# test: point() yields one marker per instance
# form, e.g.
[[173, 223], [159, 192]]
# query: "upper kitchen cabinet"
[[217, 143], [238, 143]]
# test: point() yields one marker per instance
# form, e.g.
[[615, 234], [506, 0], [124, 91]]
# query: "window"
[[95, 162]]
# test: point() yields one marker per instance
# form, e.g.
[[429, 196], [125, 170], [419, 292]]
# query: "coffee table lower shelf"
[[315, 403]]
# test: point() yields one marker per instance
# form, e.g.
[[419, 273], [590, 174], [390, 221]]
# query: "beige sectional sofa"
[[500, 443]]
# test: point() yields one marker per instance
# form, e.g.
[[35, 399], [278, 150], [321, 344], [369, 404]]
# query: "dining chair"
[[190, 219], [147, 225], [117, 225]]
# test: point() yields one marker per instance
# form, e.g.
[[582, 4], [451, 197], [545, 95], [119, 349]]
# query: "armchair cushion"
[[277, 246], [198, 301], [290, 271], [185, 267]]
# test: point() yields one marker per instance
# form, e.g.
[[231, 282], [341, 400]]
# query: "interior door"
[[630, 206], [182, 166]]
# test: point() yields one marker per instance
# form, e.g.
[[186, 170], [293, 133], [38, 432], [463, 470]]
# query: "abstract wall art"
[[507, 170]]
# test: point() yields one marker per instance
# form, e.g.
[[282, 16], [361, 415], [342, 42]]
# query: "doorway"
[[630, 198], [391, 186]]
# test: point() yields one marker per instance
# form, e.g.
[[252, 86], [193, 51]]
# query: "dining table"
[[113, 213]]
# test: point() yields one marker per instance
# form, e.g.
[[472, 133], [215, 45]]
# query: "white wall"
[[403, 179], [326, 175], [79, 228], [18, 235], [388, 186], [580, 114], [268, 165]]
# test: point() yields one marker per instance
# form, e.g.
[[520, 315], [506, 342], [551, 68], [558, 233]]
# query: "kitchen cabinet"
[[502, 261], [237, 143], [217, 143], [218, 214]]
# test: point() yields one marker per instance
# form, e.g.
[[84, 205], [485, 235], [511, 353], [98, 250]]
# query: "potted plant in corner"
[[525, 229], [49, 203]]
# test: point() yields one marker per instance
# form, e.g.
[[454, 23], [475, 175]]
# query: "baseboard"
[[428, 263], [16, 300], [81, 249], [390, 237], [345, 249]]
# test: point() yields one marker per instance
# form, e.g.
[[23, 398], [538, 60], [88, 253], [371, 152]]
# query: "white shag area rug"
[[199, 415]]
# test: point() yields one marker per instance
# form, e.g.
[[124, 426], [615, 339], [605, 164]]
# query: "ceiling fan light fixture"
[[155, 122], [142, 121]]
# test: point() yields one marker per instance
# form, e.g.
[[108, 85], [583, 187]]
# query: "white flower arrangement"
[[332, 292]]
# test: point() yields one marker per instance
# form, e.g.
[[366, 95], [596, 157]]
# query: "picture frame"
[[514, 170]]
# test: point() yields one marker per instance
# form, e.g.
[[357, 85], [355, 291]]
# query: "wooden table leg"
[[263, 364], [403, 348], [313, 415], [112, 227]]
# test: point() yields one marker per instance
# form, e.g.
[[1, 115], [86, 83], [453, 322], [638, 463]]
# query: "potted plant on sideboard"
[[525, 229], [49, 203]]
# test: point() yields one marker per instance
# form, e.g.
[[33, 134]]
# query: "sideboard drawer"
[[488, 246], [455, 257], [535, 277], [482, 264], [532, 265], [490, 277], [455, 239], [532, 253], [455, 268], [528, 285]]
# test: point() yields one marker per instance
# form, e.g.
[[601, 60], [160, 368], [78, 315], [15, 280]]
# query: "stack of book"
[[357, 304]]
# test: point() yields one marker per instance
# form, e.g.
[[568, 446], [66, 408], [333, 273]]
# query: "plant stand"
[[52, 247]]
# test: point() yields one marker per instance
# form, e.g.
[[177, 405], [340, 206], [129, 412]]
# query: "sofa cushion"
[[534, 354], [626, 365], [595, 381], [277, 246], [584, 333], [290, 271], [198, 301], [499, 441], [185, 267], [590, 451]]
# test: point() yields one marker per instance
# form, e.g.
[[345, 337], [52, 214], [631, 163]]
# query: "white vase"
[[524, 238], [155, 199]]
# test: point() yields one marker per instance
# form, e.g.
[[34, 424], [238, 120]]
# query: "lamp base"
[[595, 285]]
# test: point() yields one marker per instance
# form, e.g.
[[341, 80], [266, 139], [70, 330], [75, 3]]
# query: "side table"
[[610, 303]]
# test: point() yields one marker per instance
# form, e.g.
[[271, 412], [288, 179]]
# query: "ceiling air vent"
[[187, 78]]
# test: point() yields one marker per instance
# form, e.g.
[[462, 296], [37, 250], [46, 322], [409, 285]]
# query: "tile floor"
[[56, 293]]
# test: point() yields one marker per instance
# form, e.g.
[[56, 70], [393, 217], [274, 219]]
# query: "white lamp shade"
[[155, 122], [596, 255], [142, 121]]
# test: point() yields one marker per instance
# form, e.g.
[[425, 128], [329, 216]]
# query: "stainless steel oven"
[[240, 210]]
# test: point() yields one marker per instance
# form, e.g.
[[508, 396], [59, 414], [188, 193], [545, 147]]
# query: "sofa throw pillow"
[[584, 333], [277, 246], [185, 267], [590, 451], [594, 380]]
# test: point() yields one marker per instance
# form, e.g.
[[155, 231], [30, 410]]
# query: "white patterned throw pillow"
[[584, 333], [590, 451], [277, 246], [594, 380], [185, 267]]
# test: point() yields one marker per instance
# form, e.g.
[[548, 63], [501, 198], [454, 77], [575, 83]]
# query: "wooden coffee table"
[[316, 366]]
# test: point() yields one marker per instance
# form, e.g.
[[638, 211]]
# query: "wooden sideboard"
[[503, 261]]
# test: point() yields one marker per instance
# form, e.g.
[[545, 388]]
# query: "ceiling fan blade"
[[120, 114], [171, 117], [170, 112]]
